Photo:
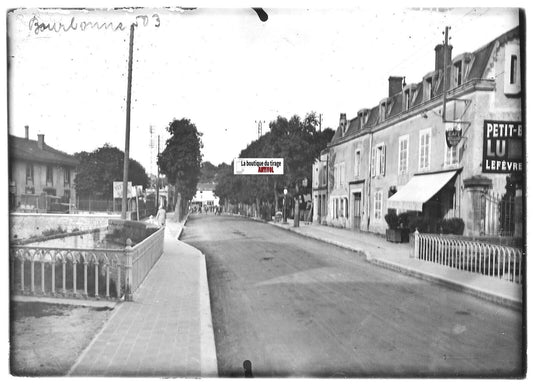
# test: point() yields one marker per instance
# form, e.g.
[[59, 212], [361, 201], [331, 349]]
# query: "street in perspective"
[[285, 193], [300, 307]]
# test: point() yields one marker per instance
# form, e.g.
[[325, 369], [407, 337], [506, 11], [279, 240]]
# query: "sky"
[[223, 69]]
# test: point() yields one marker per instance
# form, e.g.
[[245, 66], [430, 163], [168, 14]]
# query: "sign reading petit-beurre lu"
[[502, 147]]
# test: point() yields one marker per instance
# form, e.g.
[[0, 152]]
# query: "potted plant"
[[394, 234], [403, 226]]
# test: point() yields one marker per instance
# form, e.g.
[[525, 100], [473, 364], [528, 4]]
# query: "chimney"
[[40, 141], [439, 56], [27, 128], [395, 85]]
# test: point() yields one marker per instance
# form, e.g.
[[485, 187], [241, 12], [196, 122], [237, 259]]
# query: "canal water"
[[93, 240]]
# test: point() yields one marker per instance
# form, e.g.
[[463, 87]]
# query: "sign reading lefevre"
[[502, 147], [265, 166]]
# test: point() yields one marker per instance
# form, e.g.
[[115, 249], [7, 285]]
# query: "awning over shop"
[[419, 190]]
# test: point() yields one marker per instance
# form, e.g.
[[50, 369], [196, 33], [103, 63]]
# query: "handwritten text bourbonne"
[[38, 26]]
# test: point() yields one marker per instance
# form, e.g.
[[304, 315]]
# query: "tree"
[[297, 142], [98, 169], [208, 172], [181, 159]]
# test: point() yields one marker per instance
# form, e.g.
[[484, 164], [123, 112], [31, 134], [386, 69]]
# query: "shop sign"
[[502, 147], [453, 137]]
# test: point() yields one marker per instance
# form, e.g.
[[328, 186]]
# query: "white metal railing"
[[502, 262], [142, 257], [52, 271], [86, 273]]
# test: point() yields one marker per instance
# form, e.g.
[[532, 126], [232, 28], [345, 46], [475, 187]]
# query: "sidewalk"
[[167, 330], [396, 256]]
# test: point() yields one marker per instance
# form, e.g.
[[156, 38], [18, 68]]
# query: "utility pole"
[[128, 118], [319, 122], [445, 91], [259, 128]]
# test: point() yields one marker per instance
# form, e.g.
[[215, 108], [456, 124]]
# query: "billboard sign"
[[117, 189], [258, 166], [502, 147]]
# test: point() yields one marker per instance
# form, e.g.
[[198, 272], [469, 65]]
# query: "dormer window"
[[512, 81], [362, 117], [458, 73], [409, 95], [406, 99], [428, 88], [384, 109]]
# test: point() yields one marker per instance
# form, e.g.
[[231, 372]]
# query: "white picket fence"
[[502, 262]]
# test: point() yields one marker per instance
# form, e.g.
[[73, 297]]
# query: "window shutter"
[[373, 163], [346, 207]]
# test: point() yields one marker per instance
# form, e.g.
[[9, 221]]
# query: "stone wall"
[[24, 225]]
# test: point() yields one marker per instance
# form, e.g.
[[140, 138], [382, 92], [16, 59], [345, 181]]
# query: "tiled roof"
[[481, 58], [27, 149]]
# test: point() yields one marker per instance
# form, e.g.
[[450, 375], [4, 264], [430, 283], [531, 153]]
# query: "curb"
[[457, 286], [208, 354]]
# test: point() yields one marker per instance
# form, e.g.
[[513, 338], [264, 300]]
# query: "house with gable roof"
[[40, 176], [448, 146]]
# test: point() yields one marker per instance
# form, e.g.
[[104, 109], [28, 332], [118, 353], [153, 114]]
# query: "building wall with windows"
[[404, 136], [35, 169], [320, 188], [339, 168]]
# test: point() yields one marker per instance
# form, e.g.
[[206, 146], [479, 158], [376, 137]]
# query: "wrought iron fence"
[[502, 262], [499, 214]]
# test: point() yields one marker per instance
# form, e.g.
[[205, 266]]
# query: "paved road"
[[298, 307]]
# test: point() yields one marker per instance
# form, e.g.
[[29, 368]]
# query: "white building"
[[205, 195]]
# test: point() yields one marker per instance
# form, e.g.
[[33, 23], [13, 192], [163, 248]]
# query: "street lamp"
[[285, 206]]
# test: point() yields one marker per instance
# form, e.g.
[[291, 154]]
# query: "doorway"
[[356, 223]]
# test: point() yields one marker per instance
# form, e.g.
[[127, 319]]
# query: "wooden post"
[[416, 248], [128, 118]]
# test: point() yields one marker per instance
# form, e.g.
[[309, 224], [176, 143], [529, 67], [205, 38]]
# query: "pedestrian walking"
[[161, 216]]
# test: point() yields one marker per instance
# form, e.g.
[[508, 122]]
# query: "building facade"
[[205, 196], [448, 146], [40, 175]]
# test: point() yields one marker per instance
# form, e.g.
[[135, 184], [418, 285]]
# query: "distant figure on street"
[[161, 216]]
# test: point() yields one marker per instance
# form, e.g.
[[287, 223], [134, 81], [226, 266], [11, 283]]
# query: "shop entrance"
[[356, 223]]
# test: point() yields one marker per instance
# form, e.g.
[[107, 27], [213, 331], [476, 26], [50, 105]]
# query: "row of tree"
[[180, 162], [295, 140]]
